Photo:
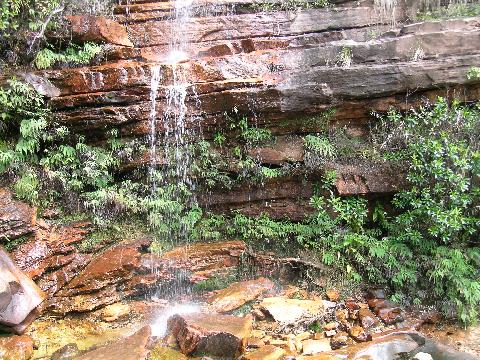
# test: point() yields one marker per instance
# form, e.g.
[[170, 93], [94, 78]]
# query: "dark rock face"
[[16, 218], [19, 296]]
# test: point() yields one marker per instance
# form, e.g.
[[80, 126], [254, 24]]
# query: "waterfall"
[[172, 188], [154, 83]]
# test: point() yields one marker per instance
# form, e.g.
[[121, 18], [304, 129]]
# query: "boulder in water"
[[217, 335]]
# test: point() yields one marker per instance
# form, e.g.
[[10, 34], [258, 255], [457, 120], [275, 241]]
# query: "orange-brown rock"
[[367, 318], [217, 335], [267, 352], [358, 333], [19, 296], [239, 293], [16, 347], [339, 340], [204, 259], [332, 295], [98, 29], [16, 217], [51, 248]]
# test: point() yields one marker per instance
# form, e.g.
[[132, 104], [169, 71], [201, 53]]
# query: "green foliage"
[[209, 166], [73, 54], [289, 5], [23, 24], [22, 111], [438, 227], [251, 136], [26, 187], [216, 282], [453, 10], [473, 73]]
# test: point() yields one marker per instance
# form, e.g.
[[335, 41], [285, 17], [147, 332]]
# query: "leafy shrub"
[[473, 73], [440, 219], [74, 54]]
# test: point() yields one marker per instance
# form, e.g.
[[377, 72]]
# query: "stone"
[[359, 334], [312, 347], [254, 343], [217, 335], [333, 295], [133, 347], [19, 296], [203, 259], [319, 357], [66, 352], [382, 347], [98, 29], [422, 356], [268, 352], [52, 248], [330, 326], [367, 318], [16, 217], [390, 316], [330, 333], [42, 86], [16, 347], [342, 316], [288, 311], [238, 294], [114, 312], [339, 340]]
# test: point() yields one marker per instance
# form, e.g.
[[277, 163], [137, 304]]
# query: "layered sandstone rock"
[[281, 67], [16, 218], [127, 270]]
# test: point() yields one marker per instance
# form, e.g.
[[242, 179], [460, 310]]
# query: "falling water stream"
[[174, 176], [176, 140]]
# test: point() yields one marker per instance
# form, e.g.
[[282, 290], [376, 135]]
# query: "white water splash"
[[159, 327]]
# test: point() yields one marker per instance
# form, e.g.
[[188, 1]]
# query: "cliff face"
[[280, 67]]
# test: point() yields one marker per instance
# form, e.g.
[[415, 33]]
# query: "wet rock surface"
[[16, 217]]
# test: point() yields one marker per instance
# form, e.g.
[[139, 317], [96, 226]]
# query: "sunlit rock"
[[290, 311], [98, 29], [268, 352], [19, 296], [16, 348], [238, 294], [312, 347]]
